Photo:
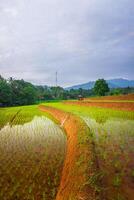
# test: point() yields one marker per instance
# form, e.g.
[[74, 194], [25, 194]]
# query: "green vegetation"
[[101, 87], [99, 114], [119, 91], [19, 92], [16, 92], [19, 114]]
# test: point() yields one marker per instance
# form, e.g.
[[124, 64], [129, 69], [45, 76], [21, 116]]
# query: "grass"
[[20, 115], [119, 101], [99, 114]]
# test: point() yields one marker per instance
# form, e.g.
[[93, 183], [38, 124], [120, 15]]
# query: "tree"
[[5, 93], [57, 92], [115, 91], [101, 87], [28, 95]]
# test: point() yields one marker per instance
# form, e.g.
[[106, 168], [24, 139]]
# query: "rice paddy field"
[[32, 151], [113, 149], [67, 151]]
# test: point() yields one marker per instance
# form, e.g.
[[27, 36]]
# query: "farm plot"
[[128, 97], [114, 150], [18, 115], [116, 105], [31, 157], [122, 102]]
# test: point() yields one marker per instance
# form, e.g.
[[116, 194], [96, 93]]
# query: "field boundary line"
[[13, 118]]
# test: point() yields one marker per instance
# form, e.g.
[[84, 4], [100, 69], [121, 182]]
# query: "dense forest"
[[19, 92]]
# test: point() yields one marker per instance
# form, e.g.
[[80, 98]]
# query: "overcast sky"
[[81, 39]]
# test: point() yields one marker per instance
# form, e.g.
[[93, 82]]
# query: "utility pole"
[[56, 83]]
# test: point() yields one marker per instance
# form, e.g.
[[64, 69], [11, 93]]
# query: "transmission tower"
[[56, 78]]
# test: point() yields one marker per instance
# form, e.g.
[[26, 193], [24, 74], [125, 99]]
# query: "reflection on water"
[[31, 159], [115, 129]]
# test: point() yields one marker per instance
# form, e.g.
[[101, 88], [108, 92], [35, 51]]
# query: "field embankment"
[[80, 163], [127, 97], [121, 102]]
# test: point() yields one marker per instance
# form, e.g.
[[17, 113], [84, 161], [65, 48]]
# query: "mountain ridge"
[[113, 83]]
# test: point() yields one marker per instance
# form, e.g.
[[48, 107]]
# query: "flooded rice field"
[[31, 160]]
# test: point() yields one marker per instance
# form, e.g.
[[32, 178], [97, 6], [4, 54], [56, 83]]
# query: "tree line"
[[19, 92]]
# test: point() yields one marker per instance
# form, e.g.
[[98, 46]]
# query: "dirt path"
[[77, 166]]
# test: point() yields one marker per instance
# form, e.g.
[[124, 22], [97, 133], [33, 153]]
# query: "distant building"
[[80, 98]]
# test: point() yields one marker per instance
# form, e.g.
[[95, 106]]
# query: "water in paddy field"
[[114, 149], [116, 130], [31, 160]]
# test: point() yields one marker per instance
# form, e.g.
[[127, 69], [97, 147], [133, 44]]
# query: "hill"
[[113, 83]]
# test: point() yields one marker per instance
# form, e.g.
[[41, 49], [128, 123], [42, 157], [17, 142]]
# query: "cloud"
[[83, 40], [11, 12]]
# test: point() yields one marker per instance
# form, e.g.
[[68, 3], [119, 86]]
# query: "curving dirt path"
[[79, 158]]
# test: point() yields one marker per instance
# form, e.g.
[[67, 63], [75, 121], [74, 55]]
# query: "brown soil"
[[126, 106], [76, 172], [120, 97]]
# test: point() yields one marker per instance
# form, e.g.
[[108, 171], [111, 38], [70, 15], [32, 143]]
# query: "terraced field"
[[95, 163], [122, 102], [127, 97]]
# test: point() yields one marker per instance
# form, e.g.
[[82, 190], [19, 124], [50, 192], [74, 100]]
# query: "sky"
[[82, 40]]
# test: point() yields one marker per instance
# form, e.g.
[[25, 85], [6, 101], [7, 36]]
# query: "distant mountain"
[[113, 83]]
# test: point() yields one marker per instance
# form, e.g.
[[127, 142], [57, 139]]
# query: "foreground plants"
[[114, 149]]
